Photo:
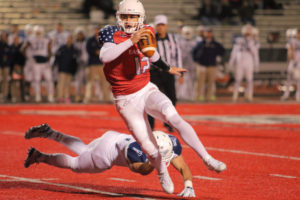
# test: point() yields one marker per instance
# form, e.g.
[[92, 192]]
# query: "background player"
[[41, 51], [127, 70], [244, 57], [112, 148]]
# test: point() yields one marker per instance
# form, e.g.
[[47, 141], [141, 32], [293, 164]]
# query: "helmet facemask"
[[131, 7]]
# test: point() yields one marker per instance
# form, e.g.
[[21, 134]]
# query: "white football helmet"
[[165, 146], [131, 7], [38, 31], [246, 29], [28, 29], [291, 33], [187, 32]]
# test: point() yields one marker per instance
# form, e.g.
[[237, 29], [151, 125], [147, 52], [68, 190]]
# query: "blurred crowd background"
[[49, 49]]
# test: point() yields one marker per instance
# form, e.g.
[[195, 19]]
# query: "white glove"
[[188, 190]]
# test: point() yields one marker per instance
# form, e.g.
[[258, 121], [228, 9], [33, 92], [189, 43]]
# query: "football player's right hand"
[[139, 35], [187, 192]]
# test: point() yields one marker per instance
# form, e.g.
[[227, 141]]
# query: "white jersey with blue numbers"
[[114, 148], [39, 46], [295, 45]]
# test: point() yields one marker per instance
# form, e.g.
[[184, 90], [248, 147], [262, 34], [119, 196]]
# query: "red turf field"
[[260, 143]]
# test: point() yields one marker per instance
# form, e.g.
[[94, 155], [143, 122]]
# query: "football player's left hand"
[[177, 71], [187, 192]]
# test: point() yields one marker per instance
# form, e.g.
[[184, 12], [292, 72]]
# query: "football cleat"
[[214, 165], [43, 130], [166, 182], [32, 157]]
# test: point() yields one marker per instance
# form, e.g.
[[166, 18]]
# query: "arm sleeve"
[[111, 51]]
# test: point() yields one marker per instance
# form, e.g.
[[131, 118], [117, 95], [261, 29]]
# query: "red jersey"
[[129, 72]]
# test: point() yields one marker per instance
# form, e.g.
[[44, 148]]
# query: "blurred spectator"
[[236, 3], [200, 33], [4, 67], [226, 13], [245, 60], [185, 91], [246, 13], [58, 37], [82, 59], [271, 4], [208, 13], [67, 66], [293, 47], [107, 6], [13, 33], [95, 73], [28, 68], [205, 55], [16, 61]]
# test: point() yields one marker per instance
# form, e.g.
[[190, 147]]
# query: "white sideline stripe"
[[121, 179], [15, 178], [207, 178], [252, 153], [62, 185], [248, 153], [282, 176], [13, 133]]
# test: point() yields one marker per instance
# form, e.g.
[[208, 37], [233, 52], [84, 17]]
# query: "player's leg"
[[238, 81], [288, 84], [81, 163], [45, 131], [159, 106], [37, 81], [249, 80], [47, 73], [298, 88], [132, 112]]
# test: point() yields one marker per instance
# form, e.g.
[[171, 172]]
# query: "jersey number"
[[141, 65]]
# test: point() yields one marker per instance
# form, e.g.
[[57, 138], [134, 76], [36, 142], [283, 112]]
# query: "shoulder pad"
[[106, 34]]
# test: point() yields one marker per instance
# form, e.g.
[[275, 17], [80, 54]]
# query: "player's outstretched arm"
[[186, 173]]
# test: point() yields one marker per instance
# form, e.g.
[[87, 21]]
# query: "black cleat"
[[32, 156], [43, 131]]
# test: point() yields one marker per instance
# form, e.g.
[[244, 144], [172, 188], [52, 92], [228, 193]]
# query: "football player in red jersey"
[[127, 70]]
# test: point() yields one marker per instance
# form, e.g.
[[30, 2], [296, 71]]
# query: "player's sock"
[[58, 160], [73, 143]]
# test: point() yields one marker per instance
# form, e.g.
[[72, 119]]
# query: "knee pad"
[[168, 110]]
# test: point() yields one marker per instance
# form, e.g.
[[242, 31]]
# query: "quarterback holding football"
[[127, 70]]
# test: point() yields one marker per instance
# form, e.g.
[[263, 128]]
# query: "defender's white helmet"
[[28, 29], [187, 32], [247, 29], [165, 146], [131, 7], [38, 31], [291, 33]]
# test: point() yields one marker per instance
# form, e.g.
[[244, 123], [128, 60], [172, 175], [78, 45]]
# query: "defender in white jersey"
[[40, 47], [293, 70], [112, 148], [244, 57]]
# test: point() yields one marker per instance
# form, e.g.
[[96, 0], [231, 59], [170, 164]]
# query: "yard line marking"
[[248, 153], [282, 176], [62, 185], [15, 178], [121, 179], [12, 133], [207, 178]]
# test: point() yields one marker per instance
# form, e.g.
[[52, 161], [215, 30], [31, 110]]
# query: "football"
[[148, 46]]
